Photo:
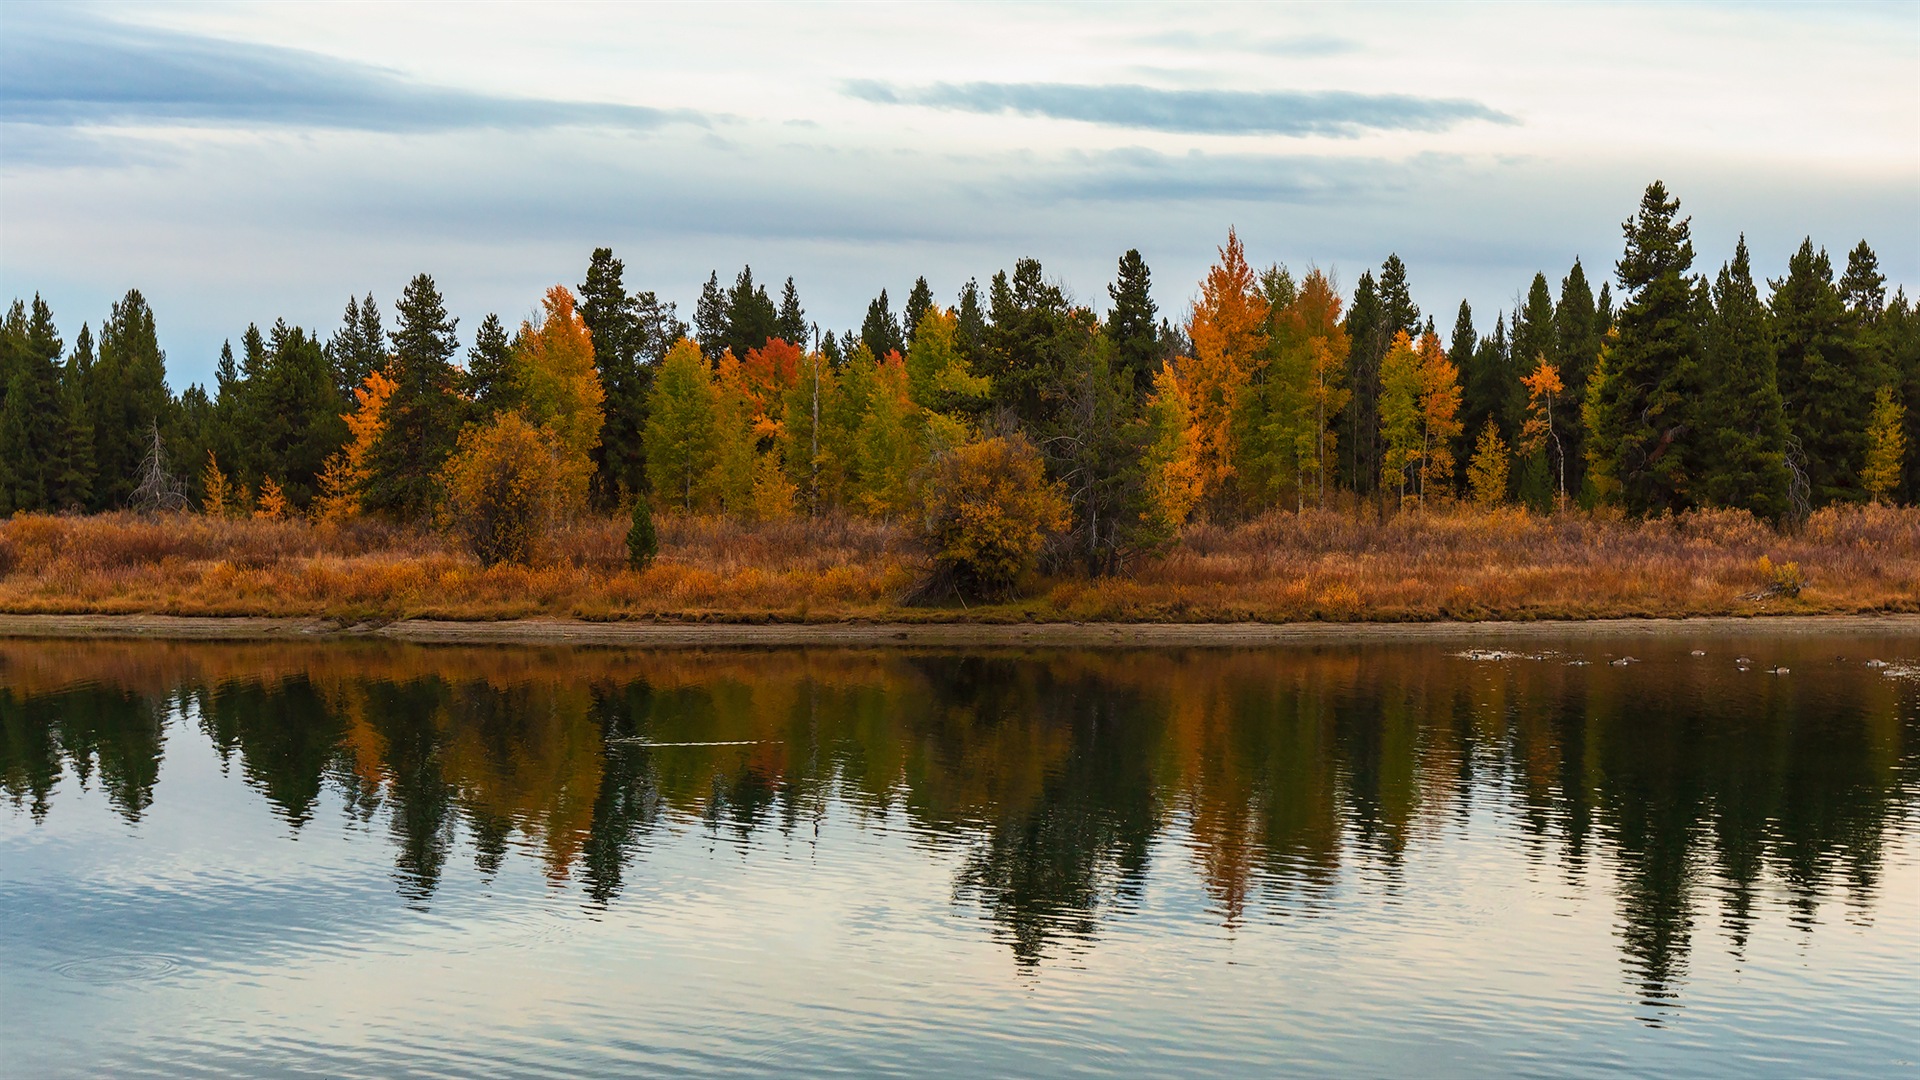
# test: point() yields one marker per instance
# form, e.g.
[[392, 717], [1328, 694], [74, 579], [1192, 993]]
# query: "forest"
[[956, 452]]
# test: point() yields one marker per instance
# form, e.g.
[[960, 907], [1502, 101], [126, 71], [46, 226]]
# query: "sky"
[[242, 163]]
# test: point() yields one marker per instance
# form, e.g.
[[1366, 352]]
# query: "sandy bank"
[[669, 634]]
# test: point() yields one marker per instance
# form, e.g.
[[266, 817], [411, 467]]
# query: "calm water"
[[354, 860]]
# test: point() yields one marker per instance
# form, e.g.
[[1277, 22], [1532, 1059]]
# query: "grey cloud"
[[1337, 113], [62, 71]]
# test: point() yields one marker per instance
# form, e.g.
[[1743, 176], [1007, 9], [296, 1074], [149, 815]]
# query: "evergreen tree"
[[751, 319], [1131, 324], [73, 486], [1863, 286], [358, 348], [31, 419], [488, 381], [421, 419], [971, 332], [1032, 340], [126, 397], [919, 302], [1828, 370], [1490, 378], [710, 318], [1461, 345], [1743, 427], [1578, 344], [1655, 378], [793, 318], [1535, 342], [622, 352], [1364, 350], [1900, 327], [879, 332], [294, 423]]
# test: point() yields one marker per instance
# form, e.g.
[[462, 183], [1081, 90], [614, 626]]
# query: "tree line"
[[1681, 389]]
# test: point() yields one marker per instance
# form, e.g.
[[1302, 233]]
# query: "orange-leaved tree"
[[1538, 434], [1172, 474], [346, 471], [1228, 329]]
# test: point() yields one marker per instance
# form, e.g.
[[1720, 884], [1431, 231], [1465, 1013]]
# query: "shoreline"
[[843, 634]]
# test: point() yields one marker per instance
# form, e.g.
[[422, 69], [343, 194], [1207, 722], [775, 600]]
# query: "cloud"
[[67, 72], [1338, 113], [1304, 46]]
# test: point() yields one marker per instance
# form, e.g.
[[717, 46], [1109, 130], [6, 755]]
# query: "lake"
[[359, 859]]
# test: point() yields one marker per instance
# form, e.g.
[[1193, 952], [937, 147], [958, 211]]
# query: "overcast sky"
[[242, 163]]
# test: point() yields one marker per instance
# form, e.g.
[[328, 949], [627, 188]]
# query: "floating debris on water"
[[1625, 660], [1777, 671], [1494, 654], [1876, 663], [1901, 669]]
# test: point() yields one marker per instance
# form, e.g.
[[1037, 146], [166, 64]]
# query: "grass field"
[[1452, 564]]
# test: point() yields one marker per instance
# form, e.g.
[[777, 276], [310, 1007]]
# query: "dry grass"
[[1454, 564]]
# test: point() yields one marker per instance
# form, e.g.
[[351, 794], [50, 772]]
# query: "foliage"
[[345, 476], [272, 504], [680, 439], [1886, 445], [506, 488], [1228, 331], [558, 389], [419, 423], [643, 542], [989, 508], [1487, 472]]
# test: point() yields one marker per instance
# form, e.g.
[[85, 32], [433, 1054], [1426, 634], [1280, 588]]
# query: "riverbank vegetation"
[[1460, 562], [1284, 452]]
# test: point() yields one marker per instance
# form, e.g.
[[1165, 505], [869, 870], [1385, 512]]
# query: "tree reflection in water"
[[1052, 777]]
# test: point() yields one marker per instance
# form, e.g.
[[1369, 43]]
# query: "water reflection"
[[1054, 778]]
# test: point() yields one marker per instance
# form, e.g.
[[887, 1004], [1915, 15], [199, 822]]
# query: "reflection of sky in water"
[[1351, 861]]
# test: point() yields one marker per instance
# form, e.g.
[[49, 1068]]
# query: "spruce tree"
[[792, 321], [971, 335], [1829, 368], [1132, 324], [1900, 328], [73, 488], [1863, 286], [919, 302], [31, 429], [421, 419], [621, 353], [1362, 423], [1743, 429], [1578, 345], [488, 380], [296, 410], [879, 332], [126, 397], [358, 348], [1656, 363], [751, 317], [710, 318], [1488, 383]]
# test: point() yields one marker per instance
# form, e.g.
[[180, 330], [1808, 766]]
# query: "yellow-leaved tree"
[[1487, 472], [1886, 445], [1228, 329], [1284, 427], [680, 438], [219, 491], [1419, 416], [1172, 475], [505, 489], [558, 388], [989, 509], [1439, 417]]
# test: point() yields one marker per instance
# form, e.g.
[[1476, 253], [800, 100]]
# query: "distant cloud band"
[[1338, 113], [76, 71]]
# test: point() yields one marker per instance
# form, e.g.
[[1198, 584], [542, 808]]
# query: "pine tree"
[[793, 318], [751, 318], [1829, 367], [1863, 286], [1578, 342], [1489, 378], [1132, 323], [293, 414], [126, 397], [620, 354], [1744, 429], [1657, 361], [421, 420], [73, 487], [358, 348], [1900, 325], [972, 329], [878, 331], [919, 302], [488, 378], [31, 421], [710, 318]]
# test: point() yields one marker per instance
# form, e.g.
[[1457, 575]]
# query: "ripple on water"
[[119, 968]]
